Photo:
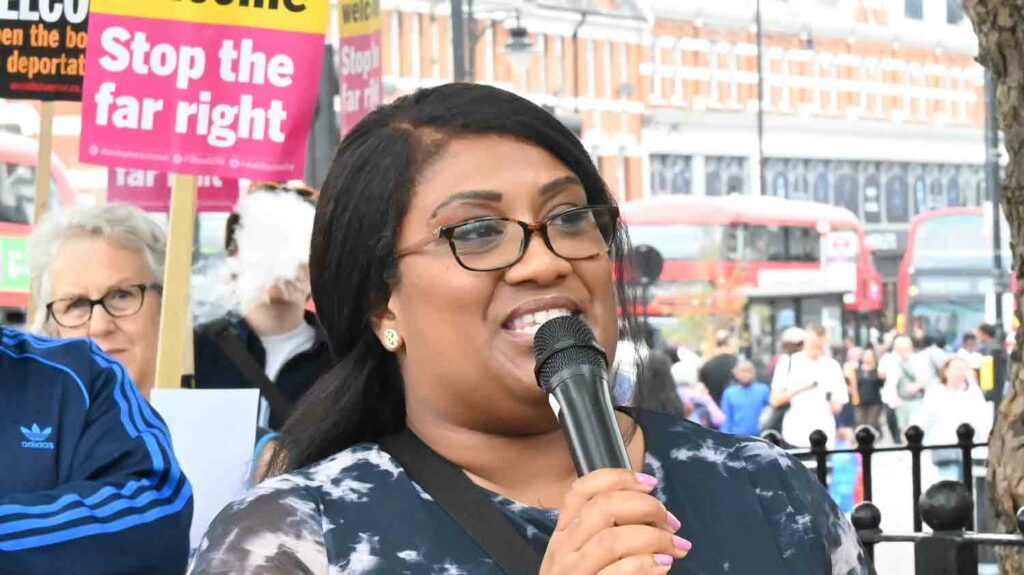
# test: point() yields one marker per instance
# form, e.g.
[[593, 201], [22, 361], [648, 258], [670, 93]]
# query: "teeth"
[[531, 322]]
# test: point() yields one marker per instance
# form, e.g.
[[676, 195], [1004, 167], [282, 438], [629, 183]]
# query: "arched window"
[[897, 199], [953, 196], [847, 192], [821, 187]]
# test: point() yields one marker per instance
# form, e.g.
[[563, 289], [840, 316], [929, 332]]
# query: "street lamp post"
[[458, 42], [993, 184]]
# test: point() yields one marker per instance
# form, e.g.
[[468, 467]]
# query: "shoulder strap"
[[461, 499], [221, 333]]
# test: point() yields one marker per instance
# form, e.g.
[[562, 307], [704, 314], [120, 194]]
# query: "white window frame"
[[396, 43], [414, 38], [542, 56], [606, 61], [559, 49], [656, 69], [435, 47], [591, 72], [489, 54]]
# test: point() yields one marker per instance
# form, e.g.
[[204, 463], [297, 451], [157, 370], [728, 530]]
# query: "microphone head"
[[562, 342]]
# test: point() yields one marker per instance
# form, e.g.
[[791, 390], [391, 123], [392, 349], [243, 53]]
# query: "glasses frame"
[[448, 232], [143, 288]]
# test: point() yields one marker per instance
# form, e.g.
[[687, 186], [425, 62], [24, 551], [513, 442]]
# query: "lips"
[[527, 318]]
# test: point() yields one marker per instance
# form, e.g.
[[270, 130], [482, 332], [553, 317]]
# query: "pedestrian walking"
[[744, 400], [814, 387], [954, 401]]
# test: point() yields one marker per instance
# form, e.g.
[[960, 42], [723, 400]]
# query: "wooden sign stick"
[[174, 349], [43, 171]]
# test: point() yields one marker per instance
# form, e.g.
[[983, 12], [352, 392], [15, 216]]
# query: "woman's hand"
[[611, 524]]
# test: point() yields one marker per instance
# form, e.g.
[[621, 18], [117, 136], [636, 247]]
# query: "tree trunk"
[[999, 25]]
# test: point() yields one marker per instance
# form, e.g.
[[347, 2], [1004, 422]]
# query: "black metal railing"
[[947, 507]]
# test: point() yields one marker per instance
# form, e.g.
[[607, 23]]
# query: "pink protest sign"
[[359, 60], [151, 190], [203, 89]]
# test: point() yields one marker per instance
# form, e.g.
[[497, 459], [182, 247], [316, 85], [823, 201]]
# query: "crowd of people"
[[813, 385]]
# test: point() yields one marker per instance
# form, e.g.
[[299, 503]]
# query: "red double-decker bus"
[[948, 284], [767, 262], [18, 158]]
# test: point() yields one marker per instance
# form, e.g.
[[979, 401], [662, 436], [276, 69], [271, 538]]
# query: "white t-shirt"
[[279, 349], [811, 409]]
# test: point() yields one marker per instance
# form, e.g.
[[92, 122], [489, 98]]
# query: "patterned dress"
[[747, 507]]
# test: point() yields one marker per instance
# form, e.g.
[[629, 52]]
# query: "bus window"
[[776, 244], [680, 242], [803, 244], [17, 190]]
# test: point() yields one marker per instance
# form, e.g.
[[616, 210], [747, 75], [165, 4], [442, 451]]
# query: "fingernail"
[[681, 544], [662, 559], [674, 523], [647, 480]]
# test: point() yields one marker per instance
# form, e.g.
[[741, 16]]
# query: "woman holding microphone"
[[454, 222]]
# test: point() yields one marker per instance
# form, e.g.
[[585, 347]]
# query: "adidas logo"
[[37, 437]]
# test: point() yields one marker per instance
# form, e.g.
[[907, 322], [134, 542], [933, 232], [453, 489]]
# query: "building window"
[[724, 176], [897, 198], [559, 64], [914, 9], [872, 196], [846, 192], [821, 187], [920, 195], [954, 12], [799, 188], [670, 174]]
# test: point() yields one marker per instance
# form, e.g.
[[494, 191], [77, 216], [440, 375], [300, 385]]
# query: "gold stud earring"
[[392, 340]]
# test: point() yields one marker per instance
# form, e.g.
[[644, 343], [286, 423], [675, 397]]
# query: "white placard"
[[214, 432]]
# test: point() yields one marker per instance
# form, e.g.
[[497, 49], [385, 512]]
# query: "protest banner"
[[359, 61], [42, 49], [222, 88], [151, 190]]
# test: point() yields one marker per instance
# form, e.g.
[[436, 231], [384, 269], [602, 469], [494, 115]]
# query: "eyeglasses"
[[489, 244], [118, 302]]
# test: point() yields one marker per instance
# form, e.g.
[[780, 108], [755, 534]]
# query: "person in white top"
[[904, 384], [948, 404], [813, 386]]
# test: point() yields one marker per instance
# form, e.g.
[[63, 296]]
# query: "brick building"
[[874, 105]]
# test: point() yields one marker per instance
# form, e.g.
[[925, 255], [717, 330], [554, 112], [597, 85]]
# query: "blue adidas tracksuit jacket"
[[88, 481]]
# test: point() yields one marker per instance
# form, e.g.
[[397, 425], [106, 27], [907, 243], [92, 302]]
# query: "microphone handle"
[[582, 401]]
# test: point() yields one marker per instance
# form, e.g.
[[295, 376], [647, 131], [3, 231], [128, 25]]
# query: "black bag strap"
[[464, 502], [225, 338]]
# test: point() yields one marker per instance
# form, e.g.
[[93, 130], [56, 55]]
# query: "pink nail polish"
[[673, 522], [681, 544], [647, 480], [662, 559]]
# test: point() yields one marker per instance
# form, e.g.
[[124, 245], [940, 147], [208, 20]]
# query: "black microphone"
[[573, 369]]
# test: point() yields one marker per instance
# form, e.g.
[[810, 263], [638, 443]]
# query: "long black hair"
[[352, 262]]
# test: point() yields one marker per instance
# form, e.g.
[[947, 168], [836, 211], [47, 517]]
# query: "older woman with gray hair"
[[97, 273]]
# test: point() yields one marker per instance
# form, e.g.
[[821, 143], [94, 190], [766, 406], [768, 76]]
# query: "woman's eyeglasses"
[[118, 302], [489, 244]]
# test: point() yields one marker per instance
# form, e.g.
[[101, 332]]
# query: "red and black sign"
[[42, 49]]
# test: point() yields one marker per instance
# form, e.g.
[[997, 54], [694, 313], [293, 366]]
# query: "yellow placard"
[[987, 374], [308, 16], [358, 17]]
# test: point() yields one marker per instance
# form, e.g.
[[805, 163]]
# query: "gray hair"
[[123, 224]]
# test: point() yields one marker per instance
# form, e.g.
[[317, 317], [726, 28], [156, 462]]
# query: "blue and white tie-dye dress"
[[747, 507]]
